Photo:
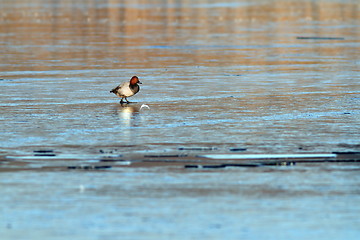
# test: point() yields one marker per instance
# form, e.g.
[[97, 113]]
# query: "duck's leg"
[[122, 100], [127, 101]]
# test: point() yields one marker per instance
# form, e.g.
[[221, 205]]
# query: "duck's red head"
[[134, 80]]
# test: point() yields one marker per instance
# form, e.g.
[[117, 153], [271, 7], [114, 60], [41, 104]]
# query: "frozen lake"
[[219, 77]]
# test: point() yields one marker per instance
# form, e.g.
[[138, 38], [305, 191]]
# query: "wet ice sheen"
[[280, 203], [216, 76]]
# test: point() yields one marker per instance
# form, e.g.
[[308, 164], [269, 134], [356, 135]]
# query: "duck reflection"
[[129, 114]]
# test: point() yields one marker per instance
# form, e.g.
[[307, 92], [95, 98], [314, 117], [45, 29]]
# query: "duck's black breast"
[[135, 88]]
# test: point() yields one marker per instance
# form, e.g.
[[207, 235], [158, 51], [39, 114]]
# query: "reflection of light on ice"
[[81, 188]]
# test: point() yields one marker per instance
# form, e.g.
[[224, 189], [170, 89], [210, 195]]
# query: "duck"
[[127, 89]]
